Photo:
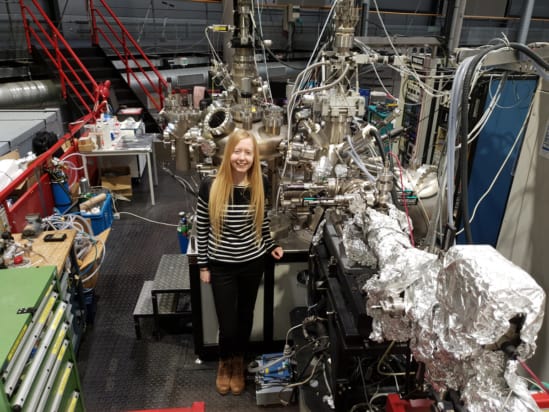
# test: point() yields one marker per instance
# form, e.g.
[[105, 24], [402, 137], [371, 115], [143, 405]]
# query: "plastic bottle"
[[183, 227], [183, 232], [116, 129], [104, 130]]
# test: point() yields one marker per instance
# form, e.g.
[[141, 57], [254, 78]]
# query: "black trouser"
[[235, 289]]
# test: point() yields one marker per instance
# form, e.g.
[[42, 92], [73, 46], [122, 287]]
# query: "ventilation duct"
[[34, 94]]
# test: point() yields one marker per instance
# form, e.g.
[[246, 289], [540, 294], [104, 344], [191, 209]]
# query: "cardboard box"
[[85, 144], [118, 180]]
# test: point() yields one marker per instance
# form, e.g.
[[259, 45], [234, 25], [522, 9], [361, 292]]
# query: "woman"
[[232, 238]]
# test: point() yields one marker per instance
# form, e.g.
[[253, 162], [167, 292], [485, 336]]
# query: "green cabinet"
[[37, 364]]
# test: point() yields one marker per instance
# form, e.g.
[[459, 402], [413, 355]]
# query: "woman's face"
[[242, 157]]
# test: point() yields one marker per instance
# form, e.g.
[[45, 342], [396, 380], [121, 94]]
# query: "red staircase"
[[77, 83]]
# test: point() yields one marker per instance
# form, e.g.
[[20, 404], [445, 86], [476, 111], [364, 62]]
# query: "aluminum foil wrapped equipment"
[[456, 310], [482, 301]]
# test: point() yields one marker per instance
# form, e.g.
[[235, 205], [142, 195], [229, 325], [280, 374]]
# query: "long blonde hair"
[[222, 187]]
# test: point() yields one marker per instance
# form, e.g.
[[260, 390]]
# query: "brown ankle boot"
[[238, 381], [224, 372]]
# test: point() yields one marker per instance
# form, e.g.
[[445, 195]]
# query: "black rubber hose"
[[464, 132], [530, 53], [464, 124], [379, 143]]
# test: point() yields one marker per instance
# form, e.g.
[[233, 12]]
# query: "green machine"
[[37, 364]]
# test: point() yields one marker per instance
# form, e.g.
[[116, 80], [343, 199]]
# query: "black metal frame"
[[268, 344], [349, 326]]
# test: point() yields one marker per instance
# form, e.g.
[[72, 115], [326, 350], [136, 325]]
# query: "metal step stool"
[[143, 307], [171, 286], [167, 296]]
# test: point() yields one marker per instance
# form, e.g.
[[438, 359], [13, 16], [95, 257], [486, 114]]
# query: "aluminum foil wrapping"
[[501, 391], [402, 289], [456, 311], [401, 294], [384, 236], [372, 238], [355, 247], [478, 292]]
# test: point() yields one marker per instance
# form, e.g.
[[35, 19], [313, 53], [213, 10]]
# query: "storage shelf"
[[37, 364]]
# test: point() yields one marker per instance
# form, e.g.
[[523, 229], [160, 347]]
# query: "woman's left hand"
[[277, 253]]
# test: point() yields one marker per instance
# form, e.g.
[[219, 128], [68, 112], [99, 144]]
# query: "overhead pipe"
[[525, 20], [364, 18], [457, 23], [32, 94], [228, 18]]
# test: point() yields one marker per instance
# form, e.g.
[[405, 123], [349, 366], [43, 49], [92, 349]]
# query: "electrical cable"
[[410, 71], [463, 134], [533, 375], [82, 240], [503, 164], [455, 100], [332, 9], [381, 360], [506, 400], [214, 52], [270, 100], [362, 377], [464, 123], [326, 381], [488, 112], [354, 155], [533, 382], [193, 189], [377, 139], [274, 56], [404, 201], [289, 331], [148, 220], [464, 126], [313, 373], [378, 395], [96, 271]]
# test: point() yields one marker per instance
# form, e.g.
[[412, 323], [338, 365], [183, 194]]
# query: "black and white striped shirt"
[[237, 242]]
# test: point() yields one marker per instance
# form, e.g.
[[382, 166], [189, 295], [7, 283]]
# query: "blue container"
[[183, 242], [61, 196], [102, 220]]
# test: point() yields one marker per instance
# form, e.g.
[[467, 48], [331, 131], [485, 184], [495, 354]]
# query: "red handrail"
[[61, 62], [126, 55], [40, 29], [15, 212], [44, 157]]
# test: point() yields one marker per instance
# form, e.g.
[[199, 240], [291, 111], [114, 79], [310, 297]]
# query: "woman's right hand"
[[205, 275]]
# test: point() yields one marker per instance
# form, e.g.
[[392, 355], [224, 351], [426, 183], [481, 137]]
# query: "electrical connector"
[[287, 350]]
